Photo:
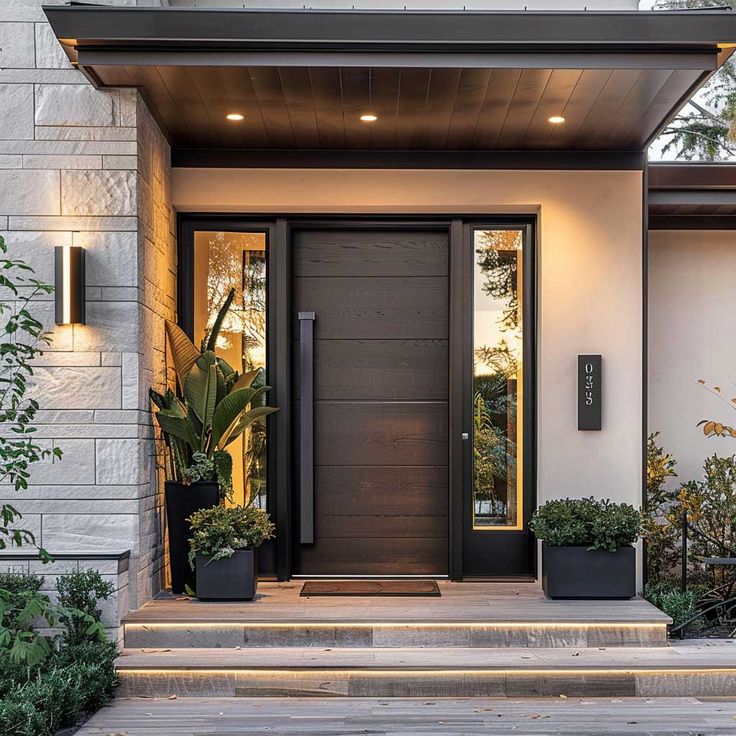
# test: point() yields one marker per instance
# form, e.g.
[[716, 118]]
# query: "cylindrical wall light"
[[70, 284]]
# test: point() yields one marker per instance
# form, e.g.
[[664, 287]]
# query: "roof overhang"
[[441, 79], [692, 196]]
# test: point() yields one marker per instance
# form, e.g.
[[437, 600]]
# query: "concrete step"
[[690, 669], [404, 634]]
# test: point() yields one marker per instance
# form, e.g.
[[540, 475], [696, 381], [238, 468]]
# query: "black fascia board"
[[226, 28]]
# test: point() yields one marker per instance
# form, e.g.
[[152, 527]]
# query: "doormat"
[[398, 588]]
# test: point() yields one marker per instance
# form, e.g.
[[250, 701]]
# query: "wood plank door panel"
[[380, 299]]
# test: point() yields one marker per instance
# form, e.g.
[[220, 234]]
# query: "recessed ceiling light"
[[235, 116], [556, 120], [369, 118]]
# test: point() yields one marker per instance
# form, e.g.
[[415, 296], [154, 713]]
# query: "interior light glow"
[[556, 119], [369, 118], [235, 116]]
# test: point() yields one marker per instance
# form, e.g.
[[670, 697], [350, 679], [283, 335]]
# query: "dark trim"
[[530, 306], [30, 556], [677, 197], [456, 397], [416, 30], [692, 222], [187, 225], [675, 175], [91, 57], [357, 159], [644, 349], [280, 347]]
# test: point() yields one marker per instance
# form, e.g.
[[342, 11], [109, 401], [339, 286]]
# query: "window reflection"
[[497, 379], [236, 260]]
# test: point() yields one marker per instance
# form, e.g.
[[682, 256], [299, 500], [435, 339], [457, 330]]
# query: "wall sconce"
[[69, 284]]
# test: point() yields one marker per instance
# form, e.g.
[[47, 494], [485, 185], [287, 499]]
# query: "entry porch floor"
[[460, 602]]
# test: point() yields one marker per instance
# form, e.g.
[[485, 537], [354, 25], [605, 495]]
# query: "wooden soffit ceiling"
[[436, 81], [692, 196]]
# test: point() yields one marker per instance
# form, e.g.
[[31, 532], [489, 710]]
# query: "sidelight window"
[[225, 261], [498, 334]]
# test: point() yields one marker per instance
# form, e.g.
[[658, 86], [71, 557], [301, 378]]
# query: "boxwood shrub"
[[586, 522]]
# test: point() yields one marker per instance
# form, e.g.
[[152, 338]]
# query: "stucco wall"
[[86, 167], [590, 285], [692, 323]]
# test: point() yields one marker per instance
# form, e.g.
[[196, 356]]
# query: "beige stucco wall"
[[692, 323], [590, 285]]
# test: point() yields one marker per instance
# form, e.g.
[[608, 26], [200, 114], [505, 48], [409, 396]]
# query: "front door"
[[376, 429]]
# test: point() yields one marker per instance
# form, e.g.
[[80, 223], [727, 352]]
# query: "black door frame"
[[276, 560]]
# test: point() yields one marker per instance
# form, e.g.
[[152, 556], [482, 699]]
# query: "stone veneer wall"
[[90, 168]]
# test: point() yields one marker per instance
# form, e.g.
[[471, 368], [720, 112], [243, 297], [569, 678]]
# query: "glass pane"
[[497, 379], [224, 261]]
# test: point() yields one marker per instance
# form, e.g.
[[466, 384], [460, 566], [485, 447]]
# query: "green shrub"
[[81, 591], [680, 605], [76, 672], [589, 522], [16, 585], [218, 531]]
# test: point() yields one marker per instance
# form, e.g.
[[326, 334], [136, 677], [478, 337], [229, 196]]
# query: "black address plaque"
[[590, 388]]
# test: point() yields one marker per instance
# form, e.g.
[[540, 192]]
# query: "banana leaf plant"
[[214, 406]]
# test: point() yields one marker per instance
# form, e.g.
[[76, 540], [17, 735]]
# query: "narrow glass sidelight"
[[225, 260], [497, 410]]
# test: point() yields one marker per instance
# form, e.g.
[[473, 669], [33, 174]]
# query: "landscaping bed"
[[57, 665]]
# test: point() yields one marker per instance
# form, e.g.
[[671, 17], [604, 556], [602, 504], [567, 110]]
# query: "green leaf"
[[183, 351], [200, 390], [247, 419], [228, 413], [177, 426]]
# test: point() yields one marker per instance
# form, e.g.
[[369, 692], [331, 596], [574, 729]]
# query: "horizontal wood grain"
[[397, 370], [370, 253], [374, 556], [374, 308], [379, 433]]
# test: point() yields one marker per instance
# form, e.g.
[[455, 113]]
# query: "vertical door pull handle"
[[306, 427]]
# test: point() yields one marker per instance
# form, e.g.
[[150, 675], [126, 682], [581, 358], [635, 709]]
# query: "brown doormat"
[[426, 588]]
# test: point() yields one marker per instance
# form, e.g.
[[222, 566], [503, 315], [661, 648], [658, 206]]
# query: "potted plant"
[[587, 548], [223, 550], [215, 406]]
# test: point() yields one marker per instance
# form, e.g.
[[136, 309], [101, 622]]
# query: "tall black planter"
[[181, 502]]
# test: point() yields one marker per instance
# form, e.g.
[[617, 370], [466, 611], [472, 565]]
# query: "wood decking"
[[459, 602], [320, 717]]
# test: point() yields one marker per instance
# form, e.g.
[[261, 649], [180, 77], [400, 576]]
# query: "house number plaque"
[[590, 385]]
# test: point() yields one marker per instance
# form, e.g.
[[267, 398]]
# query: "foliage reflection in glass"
[[497, 378], [237, 260]]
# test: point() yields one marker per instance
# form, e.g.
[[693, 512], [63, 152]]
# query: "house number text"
[[589, 392]]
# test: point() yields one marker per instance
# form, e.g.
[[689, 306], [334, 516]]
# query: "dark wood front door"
[[380, 405]]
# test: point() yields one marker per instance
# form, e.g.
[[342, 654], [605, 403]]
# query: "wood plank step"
[[419, 634], [682, 670]]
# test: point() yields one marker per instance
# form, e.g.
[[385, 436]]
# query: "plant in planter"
[[587, 548], [223, 550], [217, 405]]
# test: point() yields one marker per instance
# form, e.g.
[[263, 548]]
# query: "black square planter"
[[577, 572], [230, 579]]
